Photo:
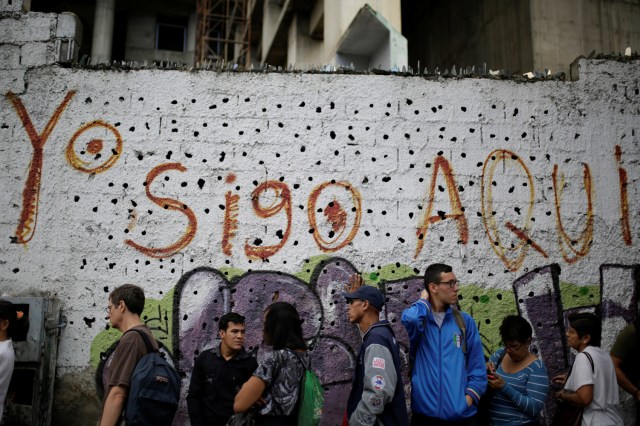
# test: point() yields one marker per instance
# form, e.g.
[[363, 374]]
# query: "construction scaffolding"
[[224, 31]]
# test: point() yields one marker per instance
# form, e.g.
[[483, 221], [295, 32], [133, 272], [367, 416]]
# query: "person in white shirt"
[[592, 381], [11, 322]]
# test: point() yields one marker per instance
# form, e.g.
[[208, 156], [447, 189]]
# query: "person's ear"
[[4, 324], [221, 333], [587, 338]]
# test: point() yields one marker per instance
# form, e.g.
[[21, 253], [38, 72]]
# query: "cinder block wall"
[[218, 191]]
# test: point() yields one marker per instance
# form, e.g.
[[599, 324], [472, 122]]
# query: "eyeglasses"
[[108, 308], [451, 284], [513, 347]]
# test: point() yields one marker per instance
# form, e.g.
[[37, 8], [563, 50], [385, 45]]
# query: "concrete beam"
[[370, 42], [316, 21]]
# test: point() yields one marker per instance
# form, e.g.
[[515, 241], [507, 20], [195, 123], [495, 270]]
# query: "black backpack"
[[154, 391]]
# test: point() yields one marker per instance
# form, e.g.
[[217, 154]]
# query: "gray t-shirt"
[[439, 317], [282, 372]]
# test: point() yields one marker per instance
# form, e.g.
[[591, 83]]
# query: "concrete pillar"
[[103, 32], [192, 30]]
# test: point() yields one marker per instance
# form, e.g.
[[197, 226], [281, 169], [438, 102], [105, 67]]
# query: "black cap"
[[368, 293]]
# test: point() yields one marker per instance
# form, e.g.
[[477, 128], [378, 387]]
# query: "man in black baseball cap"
[[368, 293], [377, 392]]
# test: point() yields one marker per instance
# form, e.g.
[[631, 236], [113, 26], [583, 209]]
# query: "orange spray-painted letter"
[[31, 192], [94, 148], [282, 200], [624, 198], [168, 204], [336, 216], [457, 212], [512, 254], [586, 236]]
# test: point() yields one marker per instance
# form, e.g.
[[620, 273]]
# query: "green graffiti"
[[231, 273], [157, 315], [575, 296], [488, 307], [309, 266], [391, 272]]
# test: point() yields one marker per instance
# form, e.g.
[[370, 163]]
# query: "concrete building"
[[517, 35], [304, 33], [359, 32], [138, 30]]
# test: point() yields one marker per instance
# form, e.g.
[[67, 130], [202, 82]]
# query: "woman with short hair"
[[591, 384], [518, 378]]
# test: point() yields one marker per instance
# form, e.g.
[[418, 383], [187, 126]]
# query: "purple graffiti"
[[538, 299], [204, 294]]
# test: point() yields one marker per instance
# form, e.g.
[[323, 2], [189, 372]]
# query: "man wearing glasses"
[[448, 375], [124, 309], [377, 392]]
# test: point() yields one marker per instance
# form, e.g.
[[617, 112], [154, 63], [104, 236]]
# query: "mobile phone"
[[490, 374]]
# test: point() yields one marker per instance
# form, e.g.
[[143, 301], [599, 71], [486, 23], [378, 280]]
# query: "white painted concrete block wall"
[[30, 40], [254, 126]]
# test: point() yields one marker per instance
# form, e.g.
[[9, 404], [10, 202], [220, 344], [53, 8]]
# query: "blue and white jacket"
[[377, 392], [441, 376]]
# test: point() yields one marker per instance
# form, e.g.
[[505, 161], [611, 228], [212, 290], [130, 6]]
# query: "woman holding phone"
[[518, 378]]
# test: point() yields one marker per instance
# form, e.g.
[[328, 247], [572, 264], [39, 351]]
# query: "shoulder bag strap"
[[500, 358], [574, 363], [590, 361], [145, 338]]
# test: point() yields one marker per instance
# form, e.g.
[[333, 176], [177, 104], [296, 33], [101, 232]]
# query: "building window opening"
[[171, 34]]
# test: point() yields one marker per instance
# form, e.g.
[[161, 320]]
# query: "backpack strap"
[[463, 328], [457, 316], [145, 338]]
